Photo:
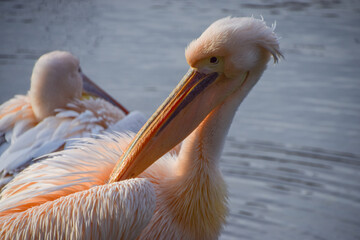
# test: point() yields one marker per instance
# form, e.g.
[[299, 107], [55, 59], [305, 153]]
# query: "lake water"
[[292, 157]]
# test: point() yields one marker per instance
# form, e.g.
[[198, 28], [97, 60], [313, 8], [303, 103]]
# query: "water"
[[292, 157]]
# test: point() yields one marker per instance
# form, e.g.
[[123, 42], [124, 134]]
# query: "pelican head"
[[232, 47], [225, 62], [57, 80]]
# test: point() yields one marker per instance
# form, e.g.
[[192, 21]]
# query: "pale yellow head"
[[56, 80], [239, 44]]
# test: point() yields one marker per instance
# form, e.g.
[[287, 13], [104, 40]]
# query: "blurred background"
[[292, 156]]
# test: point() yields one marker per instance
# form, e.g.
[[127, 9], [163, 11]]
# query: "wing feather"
[[16, 117], [87, 164], [112, 211]]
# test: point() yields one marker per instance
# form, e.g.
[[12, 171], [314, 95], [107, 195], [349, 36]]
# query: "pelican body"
[[225, 62]]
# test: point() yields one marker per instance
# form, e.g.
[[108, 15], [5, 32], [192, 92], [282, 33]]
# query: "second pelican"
[[62, 103]]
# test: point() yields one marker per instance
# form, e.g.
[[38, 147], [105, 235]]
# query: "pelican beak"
[[191, 101], [91, 89]]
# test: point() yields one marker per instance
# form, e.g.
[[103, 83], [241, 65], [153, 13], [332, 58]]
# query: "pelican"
[[226, 61], [61, 103]]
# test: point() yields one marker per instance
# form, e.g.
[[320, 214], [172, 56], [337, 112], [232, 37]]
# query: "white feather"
[[131, 122], [51, 134]]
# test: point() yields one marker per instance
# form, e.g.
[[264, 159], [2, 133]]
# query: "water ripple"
[[278, 187]]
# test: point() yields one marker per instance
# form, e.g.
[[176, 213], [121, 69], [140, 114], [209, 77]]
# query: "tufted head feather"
[[243, 42]]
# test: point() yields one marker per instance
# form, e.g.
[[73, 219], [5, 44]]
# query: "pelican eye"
[[214, 60], [79, 70]]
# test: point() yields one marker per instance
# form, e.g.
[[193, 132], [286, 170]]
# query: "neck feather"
[[197, 194], [203, 147]]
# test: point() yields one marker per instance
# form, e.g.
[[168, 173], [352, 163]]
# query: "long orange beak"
[[92, 89], [189, 103]]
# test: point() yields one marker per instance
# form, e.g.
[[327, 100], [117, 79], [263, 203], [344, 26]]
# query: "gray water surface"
[[292, 157]]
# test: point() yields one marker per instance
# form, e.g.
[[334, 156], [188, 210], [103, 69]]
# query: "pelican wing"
[[80, 119], [113, 211]]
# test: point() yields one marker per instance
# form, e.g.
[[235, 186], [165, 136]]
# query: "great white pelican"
[[62, 103], [226, 61]]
